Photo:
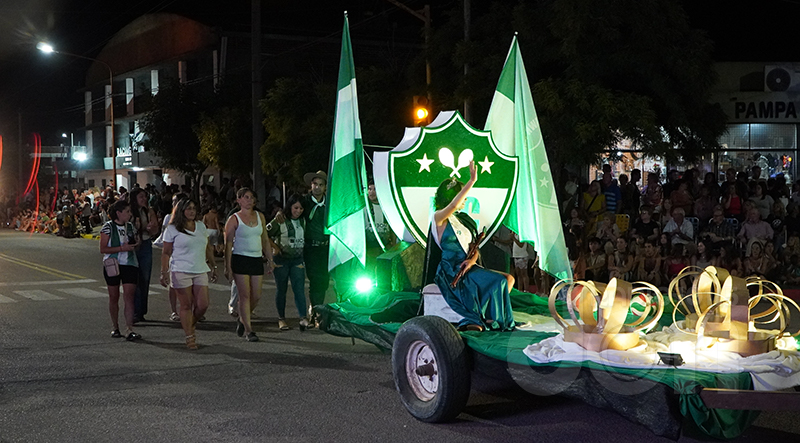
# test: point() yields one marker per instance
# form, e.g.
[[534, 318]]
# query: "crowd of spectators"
[[749, 225]]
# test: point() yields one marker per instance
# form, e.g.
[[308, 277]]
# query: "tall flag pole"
[[346, 173], [533, 214]]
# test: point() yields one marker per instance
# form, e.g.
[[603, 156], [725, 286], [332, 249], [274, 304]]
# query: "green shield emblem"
[[406, 177]]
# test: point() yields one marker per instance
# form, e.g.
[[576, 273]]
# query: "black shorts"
[[244, 265], [127, 275]]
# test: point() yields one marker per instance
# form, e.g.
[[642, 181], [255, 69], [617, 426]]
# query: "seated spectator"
[[575, 220], [793, 271], [774, 270], [664, 244], [719, 229], [710, 182], [596, 264], [703, 257], [757, 263], [653, 192], [776, 219], [675, 262], [754, 229], [704, 206], [732, 203], [620, 263], [608, 231], [762, 201], [729, 260], [792, 221], [645, 227], [648, 264], [792, 248], [681, 230], [682, 198], [666, 213]]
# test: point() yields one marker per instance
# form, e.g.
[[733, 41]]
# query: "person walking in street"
[[118, 246], [187, 262], [246, 246], [146, 223], [288, 238]]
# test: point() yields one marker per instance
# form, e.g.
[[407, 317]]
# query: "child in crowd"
[[596, 264], [648, 264]]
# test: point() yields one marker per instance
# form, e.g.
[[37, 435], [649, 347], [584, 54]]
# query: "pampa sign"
[[406, 177]]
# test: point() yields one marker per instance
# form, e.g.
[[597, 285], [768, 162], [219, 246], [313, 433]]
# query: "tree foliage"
[[600, 71], [225, 139], [298, 118], [168, 127]]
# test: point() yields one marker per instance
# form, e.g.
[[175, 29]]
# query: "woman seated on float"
[[481, 296]]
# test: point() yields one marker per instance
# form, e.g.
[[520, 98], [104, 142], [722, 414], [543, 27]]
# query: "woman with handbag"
[[187, 262], [289, 239], [118, 245]]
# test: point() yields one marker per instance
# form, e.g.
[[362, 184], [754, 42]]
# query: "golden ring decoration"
[[722, 314], [599, 312]]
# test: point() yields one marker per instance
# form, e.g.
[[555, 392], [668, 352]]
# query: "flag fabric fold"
[[346, 172], [533, 214]]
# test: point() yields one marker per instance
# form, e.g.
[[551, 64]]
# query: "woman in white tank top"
[[246, 247]]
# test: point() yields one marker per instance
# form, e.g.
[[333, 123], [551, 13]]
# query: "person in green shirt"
[[288, 239]]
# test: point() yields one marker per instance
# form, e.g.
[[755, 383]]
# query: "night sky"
[[44, 88]]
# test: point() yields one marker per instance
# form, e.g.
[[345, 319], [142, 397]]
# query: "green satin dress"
[[480, 295]]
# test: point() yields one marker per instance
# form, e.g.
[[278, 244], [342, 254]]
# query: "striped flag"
[[533, 214], [346, 173]]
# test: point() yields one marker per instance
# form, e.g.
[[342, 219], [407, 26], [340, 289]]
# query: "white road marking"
[[84, 293], [38, 295], [47, 283], [4, 299]]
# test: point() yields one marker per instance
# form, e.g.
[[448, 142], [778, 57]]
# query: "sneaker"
[[252, 337], [239, 329], [133, 336], [116, 334], [175, 317], [303, 324], [282, 325]]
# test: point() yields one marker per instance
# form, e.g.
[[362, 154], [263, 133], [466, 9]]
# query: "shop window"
[[772, 136], [736, 137]]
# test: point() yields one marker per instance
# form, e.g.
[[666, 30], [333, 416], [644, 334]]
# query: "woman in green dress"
[[481, 296]]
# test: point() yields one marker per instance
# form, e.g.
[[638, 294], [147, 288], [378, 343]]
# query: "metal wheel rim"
[[424, 387]]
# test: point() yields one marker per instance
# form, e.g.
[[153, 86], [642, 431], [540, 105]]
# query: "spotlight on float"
[[364, 285]]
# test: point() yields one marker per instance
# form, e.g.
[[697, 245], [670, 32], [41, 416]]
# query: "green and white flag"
[[346, 173], [534, 214]]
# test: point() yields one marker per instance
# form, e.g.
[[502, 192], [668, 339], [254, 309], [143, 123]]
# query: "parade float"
[[709, 355]]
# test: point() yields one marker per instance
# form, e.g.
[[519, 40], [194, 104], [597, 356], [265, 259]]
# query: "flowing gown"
[[480, 295]]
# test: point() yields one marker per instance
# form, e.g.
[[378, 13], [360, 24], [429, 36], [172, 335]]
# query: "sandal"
[[191, 343], [116, 334], [283, 325]]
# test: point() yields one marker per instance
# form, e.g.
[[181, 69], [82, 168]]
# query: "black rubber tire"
[[452, 360]]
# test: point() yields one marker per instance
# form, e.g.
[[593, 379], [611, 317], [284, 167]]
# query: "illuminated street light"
[[80, 156], [48, 49]]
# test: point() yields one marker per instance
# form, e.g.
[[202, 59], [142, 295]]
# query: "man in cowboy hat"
[[315, 252]]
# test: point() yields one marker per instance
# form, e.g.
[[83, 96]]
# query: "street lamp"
[[48, 49]]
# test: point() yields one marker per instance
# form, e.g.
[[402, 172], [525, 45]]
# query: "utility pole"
[[425, 15], [256, 90]]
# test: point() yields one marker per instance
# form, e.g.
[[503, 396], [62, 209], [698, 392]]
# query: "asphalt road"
[[64, 379]]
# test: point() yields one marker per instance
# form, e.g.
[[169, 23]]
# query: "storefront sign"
[[764, 110]]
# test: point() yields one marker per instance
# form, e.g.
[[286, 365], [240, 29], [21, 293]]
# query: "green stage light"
[[364, 284]]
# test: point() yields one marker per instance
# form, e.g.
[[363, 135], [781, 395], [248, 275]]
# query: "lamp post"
[[48, 49]]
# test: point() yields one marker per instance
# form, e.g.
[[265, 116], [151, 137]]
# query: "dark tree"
[[168, 128], [600, 71]]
